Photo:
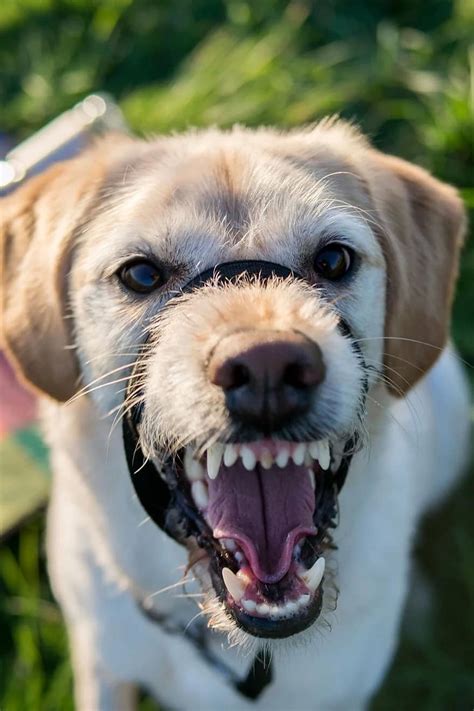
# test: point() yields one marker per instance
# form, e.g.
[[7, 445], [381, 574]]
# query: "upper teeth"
[[320, 451], [249, 459], [278, 453], [266, 459], [231, 454], [299, 453], [282, 457], [200, 494], [214, 459], [193, 467]]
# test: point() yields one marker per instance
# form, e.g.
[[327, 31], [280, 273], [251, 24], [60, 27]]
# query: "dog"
[[240, 339]]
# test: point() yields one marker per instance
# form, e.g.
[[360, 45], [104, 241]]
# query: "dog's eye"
[[333, 261], [141, 276]]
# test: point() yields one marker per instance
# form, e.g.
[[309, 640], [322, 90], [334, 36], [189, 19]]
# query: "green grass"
[[406, 75]]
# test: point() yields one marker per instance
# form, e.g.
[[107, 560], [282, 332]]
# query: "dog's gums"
[[266, 508]]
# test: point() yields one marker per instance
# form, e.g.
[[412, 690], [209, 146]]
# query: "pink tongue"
[[265, 511]]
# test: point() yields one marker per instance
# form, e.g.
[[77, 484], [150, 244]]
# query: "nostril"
[[293, 375], [240, 376], [301, 375], [229, 374]]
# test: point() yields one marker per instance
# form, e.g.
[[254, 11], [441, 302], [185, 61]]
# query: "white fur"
[[100, 549], [104, 551]]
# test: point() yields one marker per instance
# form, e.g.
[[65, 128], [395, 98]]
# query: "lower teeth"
[[287, 609]]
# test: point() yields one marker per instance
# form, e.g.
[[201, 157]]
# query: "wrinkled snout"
[[268, 377]]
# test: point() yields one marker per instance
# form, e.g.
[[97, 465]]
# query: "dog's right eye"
[[141, 276]]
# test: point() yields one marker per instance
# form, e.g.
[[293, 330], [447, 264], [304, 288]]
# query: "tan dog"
[[256, 396]]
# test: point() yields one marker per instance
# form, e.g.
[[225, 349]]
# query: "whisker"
[[85, 390], [173, 586], [113, 354], [99, 387], [193, 619], [414, 340]]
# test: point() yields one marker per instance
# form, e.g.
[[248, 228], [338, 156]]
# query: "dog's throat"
[[265, 511]]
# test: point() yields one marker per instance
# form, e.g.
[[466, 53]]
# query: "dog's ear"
[[38, 226], [421, 226]]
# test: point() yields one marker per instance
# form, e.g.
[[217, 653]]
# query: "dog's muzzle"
[[152, 490], [283, 592]]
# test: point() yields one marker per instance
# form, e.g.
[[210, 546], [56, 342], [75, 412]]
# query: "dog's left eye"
[[333, 261], [141, 276]]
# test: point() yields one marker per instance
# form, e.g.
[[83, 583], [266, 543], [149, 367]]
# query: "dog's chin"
[[278, 611], [258, 517]]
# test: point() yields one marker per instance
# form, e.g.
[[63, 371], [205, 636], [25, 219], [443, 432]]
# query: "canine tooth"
[[266, 459], [193, 468], [231, 454], [308, 459], [249, 605], [214, 459], [299, 453], [314, 575], [282, 457], [235, 586], [314, 449], [200, 494], [249, 459], [263, 609], [336, 463], [324, 454], [311, 478]]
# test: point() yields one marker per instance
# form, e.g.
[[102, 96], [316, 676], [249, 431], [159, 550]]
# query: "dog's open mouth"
[[264, 511]]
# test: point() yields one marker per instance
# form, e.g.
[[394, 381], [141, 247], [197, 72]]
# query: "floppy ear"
[[422, 224], [38, 226]]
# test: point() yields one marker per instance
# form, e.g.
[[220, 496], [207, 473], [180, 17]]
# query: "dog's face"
[[253, 390]]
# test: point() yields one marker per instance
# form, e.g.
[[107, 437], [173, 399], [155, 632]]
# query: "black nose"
[[269, 377]]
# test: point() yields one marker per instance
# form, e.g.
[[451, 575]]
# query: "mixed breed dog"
[[241, 343]]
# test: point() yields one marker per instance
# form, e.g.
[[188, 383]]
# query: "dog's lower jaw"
[[266, 602]]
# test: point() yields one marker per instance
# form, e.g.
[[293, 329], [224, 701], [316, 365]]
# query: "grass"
[[407, 76]]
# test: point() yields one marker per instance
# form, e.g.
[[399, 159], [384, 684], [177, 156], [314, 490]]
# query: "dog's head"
[[252, 389]]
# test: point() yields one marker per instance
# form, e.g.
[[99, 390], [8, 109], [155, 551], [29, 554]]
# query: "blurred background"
[[405, 72]]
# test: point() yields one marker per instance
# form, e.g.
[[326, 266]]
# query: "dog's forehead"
[[239, 186], [202, 198]]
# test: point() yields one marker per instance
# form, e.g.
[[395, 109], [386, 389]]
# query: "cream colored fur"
[[193, 201]]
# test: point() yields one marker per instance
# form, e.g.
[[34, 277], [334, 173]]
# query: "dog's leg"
[[94, 689], [82, 585]]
